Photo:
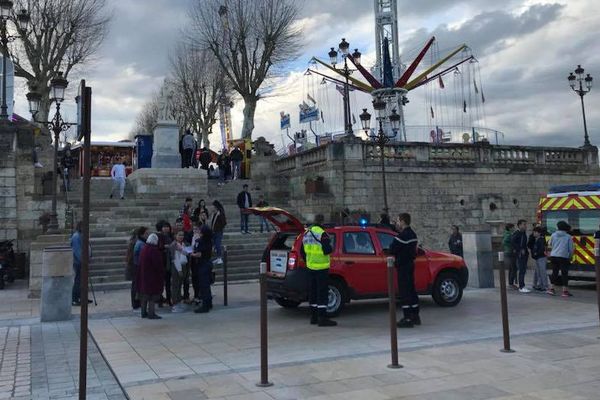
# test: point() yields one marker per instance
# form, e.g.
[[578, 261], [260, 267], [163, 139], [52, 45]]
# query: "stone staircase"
[[113, 220]]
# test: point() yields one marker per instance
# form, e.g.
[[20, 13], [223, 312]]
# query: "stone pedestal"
[[36, 259], [170, 182], [165, 149], [57, 284], [477, 249]]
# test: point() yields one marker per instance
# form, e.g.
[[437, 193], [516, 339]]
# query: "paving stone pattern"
[[15, 362], [55, 365]]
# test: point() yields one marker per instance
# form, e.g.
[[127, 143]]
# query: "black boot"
[[314, 316], [407, 321], [416, 319], [144, 307], [323, 320], [203, 309]]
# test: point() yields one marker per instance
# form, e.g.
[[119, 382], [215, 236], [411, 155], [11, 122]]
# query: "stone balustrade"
[[421, 154]]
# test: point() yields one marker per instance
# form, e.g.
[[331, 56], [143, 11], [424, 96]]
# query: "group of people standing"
[[162, 264], [229, 162], [518, 247]]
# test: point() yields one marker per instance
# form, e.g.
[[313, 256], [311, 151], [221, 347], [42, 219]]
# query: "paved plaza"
[[453, 355]]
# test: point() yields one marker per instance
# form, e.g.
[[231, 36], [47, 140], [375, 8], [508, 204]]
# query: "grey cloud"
[[427, 7], [486, 32], [142, 33]]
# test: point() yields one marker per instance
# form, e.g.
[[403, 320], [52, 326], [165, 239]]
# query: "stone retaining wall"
[[463, 184]]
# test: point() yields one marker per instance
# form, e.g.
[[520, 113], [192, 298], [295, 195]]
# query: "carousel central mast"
[[386, 26]]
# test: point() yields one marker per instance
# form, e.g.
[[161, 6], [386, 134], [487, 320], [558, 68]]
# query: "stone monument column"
[[165, 152]]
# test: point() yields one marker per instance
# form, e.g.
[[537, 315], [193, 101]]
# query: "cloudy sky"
[[525, 48]]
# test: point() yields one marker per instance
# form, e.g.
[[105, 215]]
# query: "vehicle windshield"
[[583, 222]]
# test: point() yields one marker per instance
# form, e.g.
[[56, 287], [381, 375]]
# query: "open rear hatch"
[[279, 217], [279, 253]]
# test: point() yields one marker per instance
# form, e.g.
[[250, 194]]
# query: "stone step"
[[107, 265], [107, 259], [107, 286], [115, 251], [108, 272]]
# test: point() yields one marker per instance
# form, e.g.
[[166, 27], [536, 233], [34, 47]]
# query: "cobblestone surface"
[[15, 362], [55, 365]]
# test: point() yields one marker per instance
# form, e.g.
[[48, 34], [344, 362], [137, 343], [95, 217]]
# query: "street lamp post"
[[381, 137], [576, 81], [346, 72], [58, 85], [21, 25]]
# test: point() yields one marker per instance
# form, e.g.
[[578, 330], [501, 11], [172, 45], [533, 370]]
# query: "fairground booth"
[[104, 155]]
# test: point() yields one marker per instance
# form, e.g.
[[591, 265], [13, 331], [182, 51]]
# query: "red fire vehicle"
[[358, 265]]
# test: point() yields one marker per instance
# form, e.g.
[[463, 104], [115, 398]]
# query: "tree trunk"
[[205, 139], [249, 110], [44, 112]]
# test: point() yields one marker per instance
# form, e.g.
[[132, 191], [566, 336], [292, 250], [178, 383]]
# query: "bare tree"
[[249, 39], [200, 85], [62, 35], [146, 120]]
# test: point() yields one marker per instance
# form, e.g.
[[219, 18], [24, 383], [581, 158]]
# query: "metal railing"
[[406, 153]]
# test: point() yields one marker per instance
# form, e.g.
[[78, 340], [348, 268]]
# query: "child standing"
[[538, 253]]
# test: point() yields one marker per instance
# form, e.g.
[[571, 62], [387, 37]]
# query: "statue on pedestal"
[[165, 103]]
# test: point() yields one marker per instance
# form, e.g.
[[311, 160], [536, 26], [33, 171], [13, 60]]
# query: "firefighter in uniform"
[[404, 248], [316, 247]]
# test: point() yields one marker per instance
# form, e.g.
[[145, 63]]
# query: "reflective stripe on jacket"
[[315, 258]]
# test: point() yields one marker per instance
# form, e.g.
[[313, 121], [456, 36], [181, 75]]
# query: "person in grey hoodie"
[[562, 252]]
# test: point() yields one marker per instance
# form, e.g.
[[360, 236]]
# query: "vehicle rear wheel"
[[337, 298], [447, 291], [287, 303]]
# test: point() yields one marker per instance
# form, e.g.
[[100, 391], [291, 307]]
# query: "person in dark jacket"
[[205, 158], [217, 224], [203, 253], [165, 237], [263, 221], [509, 257], [222, 164], [151, 277], [201, 209], [538, 253], [521, 252], [244, 200], [137, 242], [67, 163], [455, 242], [188, 149], [236, 159], [404, 248]]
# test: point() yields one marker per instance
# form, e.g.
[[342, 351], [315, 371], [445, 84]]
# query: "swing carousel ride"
[[448, 82]]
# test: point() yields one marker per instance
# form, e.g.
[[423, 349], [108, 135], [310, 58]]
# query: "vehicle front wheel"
[[447, 290], [287, 303], [337, 298]]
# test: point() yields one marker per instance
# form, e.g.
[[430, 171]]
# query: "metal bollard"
[[264, 361], [597, 259], [392, 309], [504, 306], [225, 300]]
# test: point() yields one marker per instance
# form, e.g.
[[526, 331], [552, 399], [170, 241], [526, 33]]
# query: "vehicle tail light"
[[292, 260]]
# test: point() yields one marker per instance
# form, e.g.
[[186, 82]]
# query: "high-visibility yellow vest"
[[315, 259]]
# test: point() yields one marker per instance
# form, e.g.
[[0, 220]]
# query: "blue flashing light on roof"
[[590, 187], [363, 222]]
